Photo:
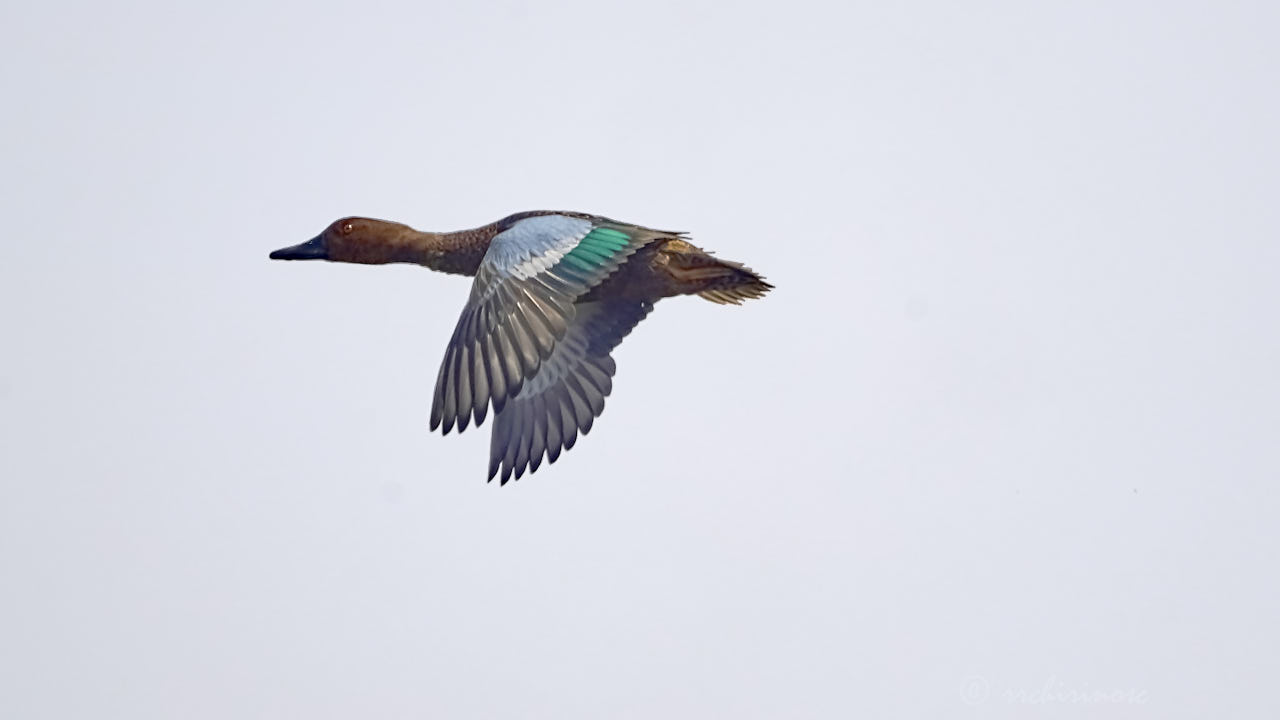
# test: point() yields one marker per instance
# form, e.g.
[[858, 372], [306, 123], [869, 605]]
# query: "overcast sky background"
[[1007, 426]]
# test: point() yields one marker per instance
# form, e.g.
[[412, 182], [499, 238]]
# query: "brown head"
[[375, 242], [359, 240]]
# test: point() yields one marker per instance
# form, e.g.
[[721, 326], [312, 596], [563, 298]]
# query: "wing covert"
[[521, 305]]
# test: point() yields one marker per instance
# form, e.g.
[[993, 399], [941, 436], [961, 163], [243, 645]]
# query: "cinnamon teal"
[[554, 294]]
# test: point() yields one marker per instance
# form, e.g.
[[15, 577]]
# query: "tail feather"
[[733, 283], [693, 271]]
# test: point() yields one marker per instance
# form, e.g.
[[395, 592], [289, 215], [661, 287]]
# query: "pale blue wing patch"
[[534, 245], [521, 304]]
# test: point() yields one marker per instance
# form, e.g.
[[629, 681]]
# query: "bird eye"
[[347, 228]]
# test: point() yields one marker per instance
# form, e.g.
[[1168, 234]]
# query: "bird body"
[[554, 294]]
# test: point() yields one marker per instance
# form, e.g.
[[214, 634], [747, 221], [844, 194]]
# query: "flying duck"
[[554, 294]]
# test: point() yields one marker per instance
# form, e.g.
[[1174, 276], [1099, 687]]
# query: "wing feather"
[[522, 303], [563, 399]]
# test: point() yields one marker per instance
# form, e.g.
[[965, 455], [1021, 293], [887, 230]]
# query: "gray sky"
[[1001, 444]]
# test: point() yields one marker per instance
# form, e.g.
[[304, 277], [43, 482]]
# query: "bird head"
[[354, 240]]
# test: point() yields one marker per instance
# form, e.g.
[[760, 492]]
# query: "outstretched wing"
[[521, 305], [566, 395]]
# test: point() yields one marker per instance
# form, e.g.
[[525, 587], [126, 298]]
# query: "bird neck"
[[458, 253]]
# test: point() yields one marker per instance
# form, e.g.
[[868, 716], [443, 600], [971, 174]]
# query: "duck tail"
[[733, 283], [694, 271]]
